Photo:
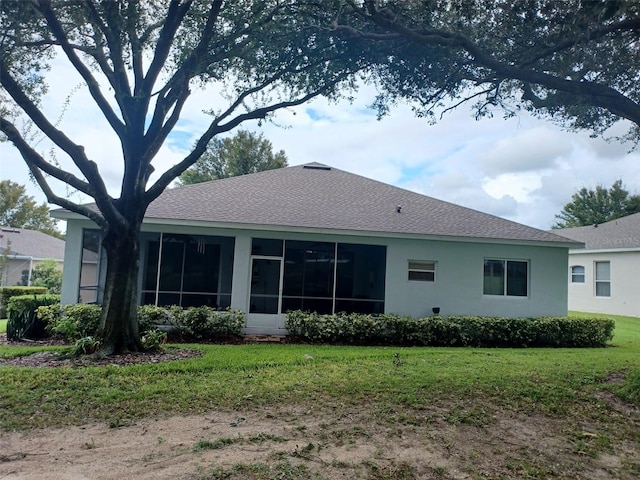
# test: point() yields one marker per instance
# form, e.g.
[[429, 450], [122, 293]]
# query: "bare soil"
[[338, 442]]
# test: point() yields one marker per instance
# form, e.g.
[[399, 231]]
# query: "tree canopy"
[[576, 62], [140, 62], [592, 207], [19, 210], [245, 152]]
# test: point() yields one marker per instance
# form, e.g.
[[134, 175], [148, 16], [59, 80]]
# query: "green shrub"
[[153, 340], [23, 321], [47, 274], [151, 316], [206, 323], [463, 331], [85, 346], [7, 292], [201, 323], [72, 321]]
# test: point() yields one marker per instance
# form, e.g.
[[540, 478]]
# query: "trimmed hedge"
[[7, 292], [199, 323], [22, 319], [463, 331]]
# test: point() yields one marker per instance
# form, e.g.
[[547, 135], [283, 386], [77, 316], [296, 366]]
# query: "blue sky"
[[522, 168]]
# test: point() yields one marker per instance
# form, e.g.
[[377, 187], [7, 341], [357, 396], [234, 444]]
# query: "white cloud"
[[523, 168]]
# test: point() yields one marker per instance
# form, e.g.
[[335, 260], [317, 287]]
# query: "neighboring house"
[[604, 276], [312, 237], [24, 249]]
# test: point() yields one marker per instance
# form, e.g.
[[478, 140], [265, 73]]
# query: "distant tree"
[[589, 207], [245, 152], [19, 210], [47, 274]]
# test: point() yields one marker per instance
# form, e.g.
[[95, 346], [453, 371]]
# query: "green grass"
[[547, 381], [3, 326]]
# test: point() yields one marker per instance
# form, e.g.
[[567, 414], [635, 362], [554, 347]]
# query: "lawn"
[[241, 376], [3, 326], [466, 386]]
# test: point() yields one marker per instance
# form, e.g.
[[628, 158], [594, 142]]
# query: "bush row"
[[7, 292], [198, 323], [463, 331]]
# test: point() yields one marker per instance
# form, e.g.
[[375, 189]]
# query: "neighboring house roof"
[[316, 196], [621, 233], [31, 243]]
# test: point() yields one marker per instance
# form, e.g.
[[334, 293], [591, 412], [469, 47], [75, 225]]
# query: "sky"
[[522, 169]]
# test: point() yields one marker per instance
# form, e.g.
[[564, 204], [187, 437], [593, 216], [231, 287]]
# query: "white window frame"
[[602, 281], [421, 267], [576, 275], [505, 288]]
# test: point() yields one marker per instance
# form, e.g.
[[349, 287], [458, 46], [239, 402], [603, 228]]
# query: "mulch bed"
[[57, 359]]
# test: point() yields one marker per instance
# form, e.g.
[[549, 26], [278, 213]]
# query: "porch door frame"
[[272, 321]]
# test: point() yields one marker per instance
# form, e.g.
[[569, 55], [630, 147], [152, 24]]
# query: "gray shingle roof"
[[31, 243], [317, 196], [620, 233]]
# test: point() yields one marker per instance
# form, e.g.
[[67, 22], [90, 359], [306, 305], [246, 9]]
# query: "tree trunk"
[[119, 324]]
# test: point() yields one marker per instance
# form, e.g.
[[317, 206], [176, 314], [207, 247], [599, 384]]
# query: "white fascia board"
[[583, 251], [159, 223], [30, 257]]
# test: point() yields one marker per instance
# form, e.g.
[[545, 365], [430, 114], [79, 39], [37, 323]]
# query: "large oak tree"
[[139, 60], [576, 62]]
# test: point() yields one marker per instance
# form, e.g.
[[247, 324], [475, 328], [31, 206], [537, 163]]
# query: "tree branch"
[[215, 129], [591, 93], [92, 84], [35, 160]]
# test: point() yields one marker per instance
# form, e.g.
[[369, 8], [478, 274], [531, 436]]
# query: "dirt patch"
[[336, 442], [54, 359], [333, 444]]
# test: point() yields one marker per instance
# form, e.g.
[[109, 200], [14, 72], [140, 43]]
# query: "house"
[[604, 276], [313, 237], [24, 249]]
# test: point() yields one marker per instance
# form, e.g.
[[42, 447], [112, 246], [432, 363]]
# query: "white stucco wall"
[[458, 287], [625, 282]]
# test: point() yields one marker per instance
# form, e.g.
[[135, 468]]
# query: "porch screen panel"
[[308, 276], [360, 278], [190, 271], [92, 256]]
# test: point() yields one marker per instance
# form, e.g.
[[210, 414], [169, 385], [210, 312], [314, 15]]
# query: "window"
[[577, 274], [422, 271], [506, 277], [603, 279]]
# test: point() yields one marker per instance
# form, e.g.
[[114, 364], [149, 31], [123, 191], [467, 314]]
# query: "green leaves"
[[245, 152], [19, 210], [593, 207], [464, 331]]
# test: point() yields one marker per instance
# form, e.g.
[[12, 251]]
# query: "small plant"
[[397, 361], [153, 340], [85, 346], [202, 445]]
